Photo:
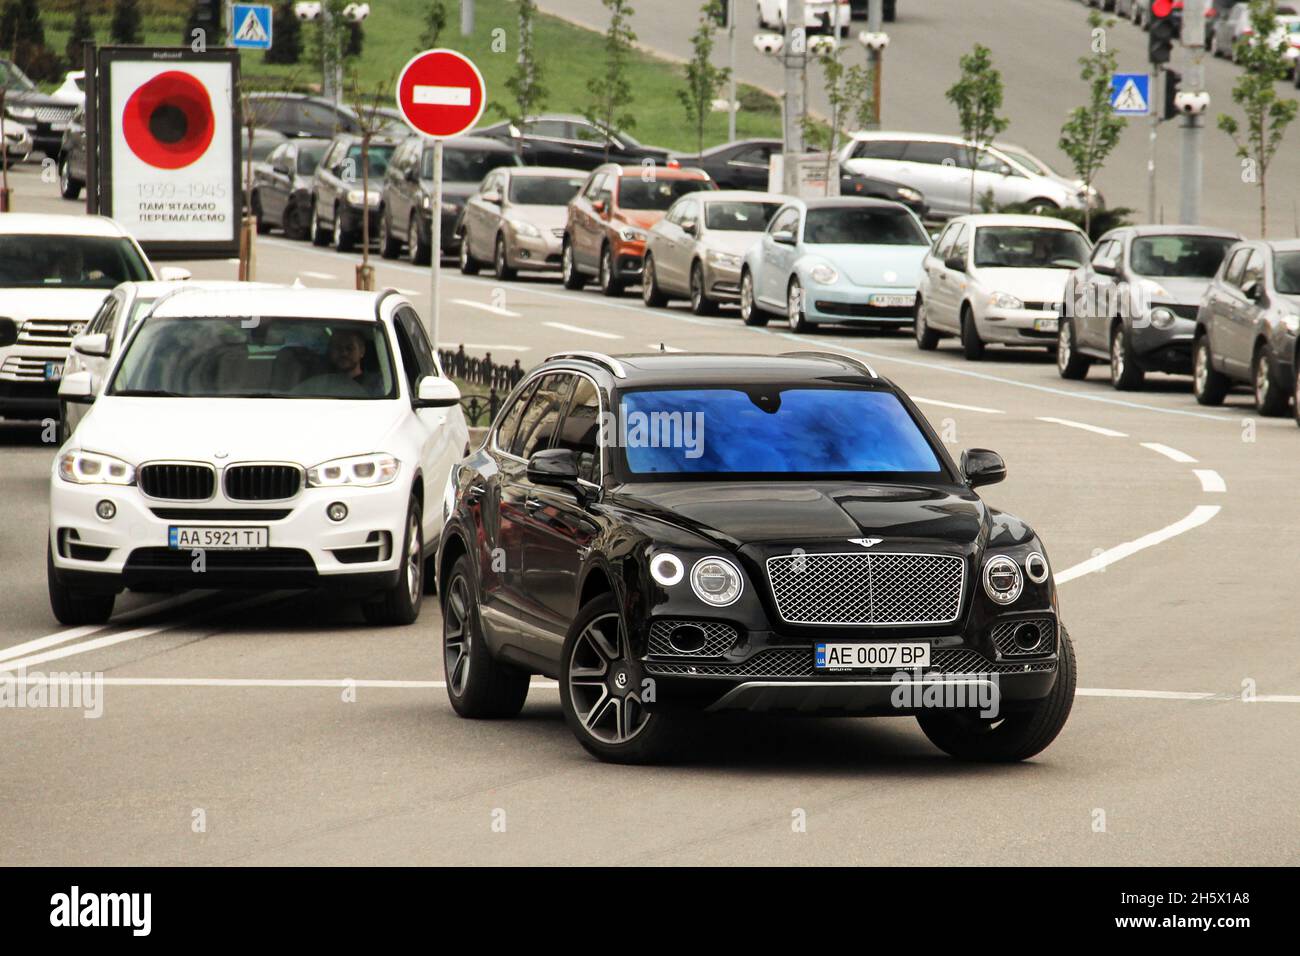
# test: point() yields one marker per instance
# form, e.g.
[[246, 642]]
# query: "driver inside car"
[[346, 352]]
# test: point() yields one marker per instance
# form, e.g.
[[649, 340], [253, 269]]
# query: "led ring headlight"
[[666, 568], [717, 581], [1002, 580], [1036, 568]]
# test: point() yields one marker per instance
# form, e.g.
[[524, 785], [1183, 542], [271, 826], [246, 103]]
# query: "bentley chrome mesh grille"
[[867, 588]]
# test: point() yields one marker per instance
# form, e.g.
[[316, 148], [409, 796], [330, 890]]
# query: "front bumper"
[[722, 282], [1165, 350], [1028, 326], [845, 302], [353, 217], [629, 259], [535, 252]]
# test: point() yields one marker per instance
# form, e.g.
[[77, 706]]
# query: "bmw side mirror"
[[434, 391], [979, 466], [553, 466], [77, 388], [95, 346], [8, 332]]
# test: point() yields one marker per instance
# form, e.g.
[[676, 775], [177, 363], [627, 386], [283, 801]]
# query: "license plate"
[[185, 536], [1045, 325], [858, 657], [893, 301], [53, 371]]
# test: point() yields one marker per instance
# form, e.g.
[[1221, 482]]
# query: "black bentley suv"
[[672, 534]]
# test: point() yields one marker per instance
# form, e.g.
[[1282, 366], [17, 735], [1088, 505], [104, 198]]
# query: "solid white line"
[[481, 345], [1095, 429], [581, 331], [495, 310], [1179, 456], [1143, 694], [1211, 480], [964, 408], [1198, 516], [319, 275], [76, 633], [658, 346]]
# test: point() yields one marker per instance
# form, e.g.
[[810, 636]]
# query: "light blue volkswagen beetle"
[[835, 260]]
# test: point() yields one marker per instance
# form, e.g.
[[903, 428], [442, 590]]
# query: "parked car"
[[1134, 303], [1229, 29], [54, 273], [516, 219], [696, 250], [610, 218], [997, 279], [300, 114], [573, 142], [282, 185], [45, 116], [340, 195], [940, 168], [264, 142], [73, 88], [72, 158], [1246, 329], [406, 197], [835, 260], [17, 141], [309, 448], [831, 16], [871, 187], [730, 573], [739, 165]]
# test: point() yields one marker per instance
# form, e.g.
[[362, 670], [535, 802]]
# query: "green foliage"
[[848, 91], [83, 31], [286, 35], [435, 22], [610, 89], [125, 25], [1099, 223], [978, 97], [527, 92], [1092, 131], [703, 79]]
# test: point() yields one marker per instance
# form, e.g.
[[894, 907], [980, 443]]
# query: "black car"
[[406, 195], [570, 141], [667, 534], [46, 117], [860, 8], [299, 114], [281, 191], [72, 157], [339, 194], [263, 143], [855, 184]]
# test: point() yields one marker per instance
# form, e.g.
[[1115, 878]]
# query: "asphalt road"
[[1036, 44], [293, 733]]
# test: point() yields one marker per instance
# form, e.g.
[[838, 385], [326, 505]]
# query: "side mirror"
[[8, 332], [1252, 290], [979, 466], [598, 205], [413, 175], [784, 237], [95, 345], [1106, 267], [691, 228], [77, 388], [553, 466], [434, 391], [493, 197], [174, 274], [955, 263]]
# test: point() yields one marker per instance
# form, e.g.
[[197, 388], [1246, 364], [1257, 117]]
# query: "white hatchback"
[[258, 439]]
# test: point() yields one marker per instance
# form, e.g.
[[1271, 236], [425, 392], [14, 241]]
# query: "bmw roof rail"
[[600, 358], [833, 355]]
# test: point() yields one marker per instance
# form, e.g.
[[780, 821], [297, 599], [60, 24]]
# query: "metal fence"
[[499, 379]]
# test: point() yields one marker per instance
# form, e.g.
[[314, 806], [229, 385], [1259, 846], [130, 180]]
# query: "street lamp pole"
[[796, 56], [731, 76], [466, 18], [1193, 82]]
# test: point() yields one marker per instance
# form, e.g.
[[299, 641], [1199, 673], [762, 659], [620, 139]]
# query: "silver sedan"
[[516, 219], [696, 250]]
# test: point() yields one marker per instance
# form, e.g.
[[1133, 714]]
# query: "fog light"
[[687, 638], [337, 511], [106, 509], [1027, 637], [666, 569], [1036, 568]]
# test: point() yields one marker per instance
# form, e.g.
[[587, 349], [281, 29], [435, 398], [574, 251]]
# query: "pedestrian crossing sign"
[[250, 26], [1130, 94]]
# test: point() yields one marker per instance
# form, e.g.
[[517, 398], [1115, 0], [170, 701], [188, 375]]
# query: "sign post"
[[440, 93]]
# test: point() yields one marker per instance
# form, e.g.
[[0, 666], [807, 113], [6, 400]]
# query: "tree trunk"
[[1263, 202]]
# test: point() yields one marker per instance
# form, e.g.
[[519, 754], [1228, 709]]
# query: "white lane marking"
[[1211, 480], [964, 408], [1095, 429], [482, 345], [1142, 694], [579, 330], [660, 346], [1173, 453], [320, 275], [76, 633], [486, 307], [1198, 516]]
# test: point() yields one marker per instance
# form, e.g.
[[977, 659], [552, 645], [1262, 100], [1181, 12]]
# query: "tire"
[[478, 686], [500, 263], [927, 339], [972, 346], [390, 247], [1126, 375], [651, 295], [417, 250], [569, 274], [1271, 396], [343, 240], [400, 604], [255, 207], [295, 225], [1209, 386], [750, 311], [610, 285], [69, 188], [1015, 735], [795, 313], [319, 236], [1069, 363], [71, 608], [701, 304], [608, 717]]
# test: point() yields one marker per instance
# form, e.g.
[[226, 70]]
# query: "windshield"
[[467, 165], [739, 216], [377, 156], [243, 357], [12, 78], [544, 190], [771, 431], [1193, 256], [1286, 270], [309, 157], [859, 225], [1031, 163], [69, 262], [657, 194], [1029, 247]]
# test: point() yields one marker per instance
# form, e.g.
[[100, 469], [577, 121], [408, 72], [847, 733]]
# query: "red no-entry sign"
[[440, 93]]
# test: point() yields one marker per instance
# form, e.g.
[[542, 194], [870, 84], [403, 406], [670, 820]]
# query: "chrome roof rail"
[[834, 355], [600, 358]]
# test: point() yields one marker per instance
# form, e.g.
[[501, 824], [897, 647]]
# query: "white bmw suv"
[[259, 439]]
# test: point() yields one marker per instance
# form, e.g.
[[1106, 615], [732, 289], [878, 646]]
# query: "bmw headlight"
[[90, 468], [724, 259], [365, 471], [632, 234], [824, 273], [1162, 318], [524, 228], [716, 581], [1005, 300], [1002, 579]]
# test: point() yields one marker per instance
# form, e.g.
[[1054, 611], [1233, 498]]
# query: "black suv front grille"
[[262, 482], [177, 482]]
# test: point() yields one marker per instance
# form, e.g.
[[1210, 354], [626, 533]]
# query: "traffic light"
[[1173, 80], [1166, 26]]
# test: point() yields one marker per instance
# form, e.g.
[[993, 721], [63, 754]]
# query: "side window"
[[1104, 250], [688, 212], [943, 246], [1254, 269], [510, 420], [423, 354], [936, 154], [580, 432], [594, 185], [879, 149], [542, 415], [787, 221], [1232, 275], [961, 242]]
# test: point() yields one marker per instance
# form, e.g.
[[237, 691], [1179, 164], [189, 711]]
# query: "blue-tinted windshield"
[[771, 431]]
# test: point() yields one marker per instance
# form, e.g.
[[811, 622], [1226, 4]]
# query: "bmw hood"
[[73, 304], [876, 266], [1029, 285]]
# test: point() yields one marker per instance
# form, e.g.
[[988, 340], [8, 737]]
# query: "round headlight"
[[666, 568], [1002, 580], [716, 581], [1162, 318], [823, 274], [1036, 568], [1005, 300]]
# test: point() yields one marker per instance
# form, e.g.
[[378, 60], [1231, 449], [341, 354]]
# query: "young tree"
[[611, 93], [703, 79], [125, 25], [83, 31], [1092, 131], [370, 126], [1266, 114], [978, 97], [286, 28], [527, 93], [848, 92], [434, 23]]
